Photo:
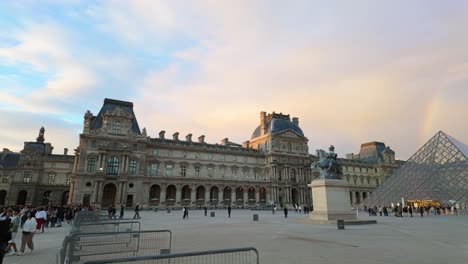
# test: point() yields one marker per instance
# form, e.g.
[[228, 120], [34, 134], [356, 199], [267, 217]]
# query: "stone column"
[[246, 196], [257, 195], [95, 190], [233, 196], [72, 192], [220, 195], [118, 196], [207, 195], [100, 189], [178, 194], [193, 195], [268, 195], [162, 195]]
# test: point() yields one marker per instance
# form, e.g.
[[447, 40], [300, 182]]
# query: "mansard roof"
[[276, 125], [110, 105], [9, 159]]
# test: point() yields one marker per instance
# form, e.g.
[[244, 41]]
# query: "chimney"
[[5, 150], [296, 121], [161, 134], [246, 144], [65, 151], [201, 139], [188, 138], [175, 136], [224, 141], [262, 123]]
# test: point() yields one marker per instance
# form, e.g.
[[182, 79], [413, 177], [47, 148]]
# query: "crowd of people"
[[409, 211], [22, 223]]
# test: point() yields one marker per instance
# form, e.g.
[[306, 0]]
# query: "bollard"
[[212, 214], [255, 217], [340, 224]]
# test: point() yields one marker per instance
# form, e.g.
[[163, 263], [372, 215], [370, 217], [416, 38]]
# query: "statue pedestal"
[[331, 201]]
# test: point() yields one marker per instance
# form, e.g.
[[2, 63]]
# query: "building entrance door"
[[108, 195], [129, 202]]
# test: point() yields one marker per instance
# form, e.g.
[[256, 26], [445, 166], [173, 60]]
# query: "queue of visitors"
[[22, 223], [409, 211]]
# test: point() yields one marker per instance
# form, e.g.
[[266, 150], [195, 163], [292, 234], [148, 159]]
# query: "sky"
[[352, 71]]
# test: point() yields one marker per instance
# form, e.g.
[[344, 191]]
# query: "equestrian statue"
[[328, 164]]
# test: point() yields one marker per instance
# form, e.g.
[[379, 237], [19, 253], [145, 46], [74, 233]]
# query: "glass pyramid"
[[438, 171]]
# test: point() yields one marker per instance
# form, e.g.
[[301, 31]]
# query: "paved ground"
[[434, 239]]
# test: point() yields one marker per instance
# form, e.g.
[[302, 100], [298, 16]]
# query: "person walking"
[[273, 209], [185, 209], [229, 211], [137, 212], [29, 228], [5, 234], [285, 212], [122, 211], [206, 210], [15, 223]]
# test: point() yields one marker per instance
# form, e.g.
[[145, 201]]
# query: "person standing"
[[285, 212], [206, 210], [41, 216], [15, 223], [273, 209], [229, 211], [5, 234], [122, 211], [421, 211], [137, 212], [29, 228], [185, 209]]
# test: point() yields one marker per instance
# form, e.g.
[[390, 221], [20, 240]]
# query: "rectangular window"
[[221, 157], [51, 178], [210, 171], [155, 152], [27, 176], [234, 171], [68, 180], [197, 171], [183, 170], [86, 199], [153, 169], [168, 170], [133, 167], [91, 164], [223, 172], [210, 156]]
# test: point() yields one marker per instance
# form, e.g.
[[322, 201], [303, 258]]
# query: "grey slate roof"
[[9, 159], [276, 125], [111, 104]]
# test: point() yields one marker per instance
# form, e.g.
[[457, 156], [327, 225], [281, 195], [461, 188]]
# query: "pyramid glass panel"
[[437, 172]]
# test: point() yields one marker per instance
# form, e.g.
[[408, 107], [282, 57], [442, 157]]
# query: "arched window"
[[113, 165], [91, 164], [133, 167], [116, 127]]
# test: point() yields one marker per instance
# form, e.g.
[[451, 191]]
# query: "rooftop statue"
[[328, 164]]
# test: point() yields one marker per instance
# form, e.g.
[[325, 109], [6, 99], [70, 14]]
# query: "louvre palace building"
[[116, 162]]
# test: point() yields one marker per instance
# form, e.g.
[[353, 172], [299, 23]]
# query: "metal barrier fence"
[[106, 226], [82, 247], [247, 255], [88, 215]]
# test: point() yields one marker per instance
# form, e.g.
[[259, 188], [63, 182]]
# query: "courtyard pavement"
[[432, 239]]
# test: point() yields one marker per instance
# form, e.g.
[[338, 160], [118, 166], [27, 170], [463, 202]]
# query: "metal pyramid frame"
[[438, 171]]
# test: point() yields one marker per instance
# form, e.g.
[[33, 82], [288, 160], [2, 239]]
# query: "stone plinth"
[[331, 200]]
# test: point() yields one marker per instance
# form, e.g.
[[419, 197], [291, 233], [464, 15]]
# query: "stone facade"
[[117, 163], [35, 175]]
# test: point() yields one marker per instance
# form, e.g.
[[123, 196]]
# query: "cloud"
[[351, 73], [45, 48]]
